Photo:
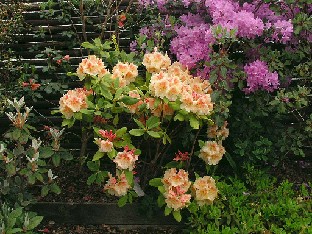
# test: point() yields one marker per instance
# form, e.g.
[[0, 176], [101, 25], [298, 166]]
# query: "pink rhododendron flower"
[[181, 156], [107, 134], [260, 78], [212, 152], [204, 190]]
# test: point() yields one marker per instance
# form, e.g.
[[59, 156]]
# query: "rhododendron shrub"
[[137, 120], [250, 51]]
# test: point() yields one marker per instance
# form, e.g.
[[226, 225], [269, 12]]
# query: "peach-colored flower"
[[176, 185], [126, 72], [172, 178], [212, 152], [126, 159], [104, 145], [156, 61], [117, 186], [177, 201], [164, 85], [220, 134], [91, 66], [73, 101], [204, 190], [195, 102], [177, 69]]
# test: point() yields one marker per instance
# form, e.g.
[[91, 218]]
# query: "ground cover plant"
[[205, 80]]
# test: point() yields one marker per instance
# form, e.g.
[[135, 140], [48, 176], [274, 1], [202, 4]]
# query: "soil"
[[72, 179], [102, 229]]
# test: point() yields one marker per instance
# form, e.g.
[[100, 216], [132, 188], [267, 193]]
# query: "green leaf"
[[34, 222], [87, 45], [152, 122], [161, 200], [116, 119], [56, 159], [139, 123], [93, 166], [112, 154], [172, 164], [91, 179], [154, 134], [31, 178], [106, 93], [46, 152], [201, 143], [16, 134], [45, 190], [231, 161], [86, 111], [16, 213], [68, 122], [129, 176], [155, 182], [55, 189], [129, 100], [98, 155], [122, 201], [120, 132], [137, 132], [66, 155], [16, 230], [194, 122], [179, 117], [177, 215], [167, 210]]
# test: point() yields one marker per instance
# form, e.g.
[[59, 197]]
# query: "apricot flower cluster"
[[176, 185], [174, 82], [117, 186], [73, 101]]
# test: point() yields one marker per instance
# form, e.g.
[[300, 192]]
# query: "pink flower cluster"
[[176, 185], [117, 186], [73, 101], [260, 78], [126, 159]]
